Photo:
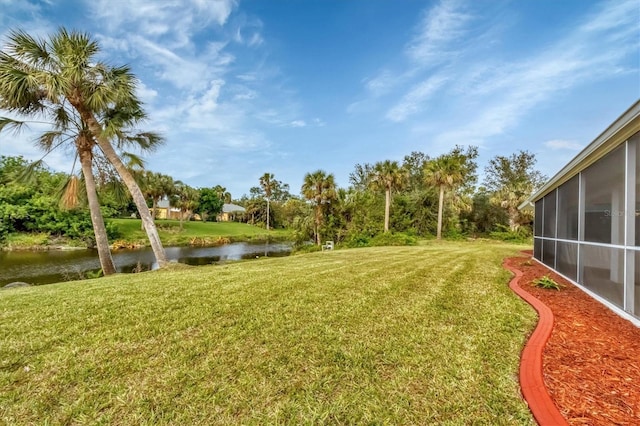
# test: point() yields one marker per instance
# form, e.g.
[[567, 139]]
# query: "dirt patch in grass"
[[592, 360]]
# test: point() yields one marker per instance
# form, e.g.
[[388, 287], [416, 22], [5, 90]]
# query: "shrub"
[[392, 239], [548, 283], [358, 239], [520, 235]]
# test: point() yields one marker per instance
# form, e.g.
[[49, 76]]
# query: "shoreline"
[[123, 244]]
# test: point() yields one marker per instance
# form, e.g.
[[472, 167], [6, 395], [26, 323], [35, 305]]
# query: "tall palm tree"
[[445, 173], [267, 182], [38, 74], [388, 175], [85, 153], [66, 130], [319, 188]]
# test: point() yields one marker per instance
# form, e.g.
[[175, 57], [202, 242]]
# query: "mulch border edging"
[[532, 384]]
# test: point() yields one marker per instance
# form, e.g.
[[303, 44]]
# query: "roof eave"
[[623, 128]]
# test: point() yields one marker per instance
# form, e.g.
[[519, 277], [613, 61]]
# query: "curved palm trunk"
[[99, 230], [129, 181], [387, 205], [440, 206]]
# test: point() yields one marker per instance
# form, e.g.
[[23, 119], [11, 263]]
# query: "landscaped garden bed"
[[591, 362]]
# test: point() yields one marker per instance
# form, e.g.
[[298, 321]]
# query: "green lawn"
[[429, 334], [196, 232]]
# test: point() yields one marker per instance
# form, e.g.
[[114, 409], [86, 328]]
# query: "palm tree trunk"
[[267, 214], [99, 230], [440, 206], [318, 215], [129, 181], [387, 205]]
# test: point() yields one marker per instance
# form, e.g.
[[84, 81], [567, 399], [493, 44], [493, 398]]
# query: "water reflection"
[[54, 266]]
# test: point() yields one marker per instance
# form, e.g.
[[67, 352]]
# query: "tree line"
[[419, 196]]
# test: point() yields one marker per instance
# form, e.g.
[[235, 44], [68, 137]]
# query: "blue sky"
[[240, 88]]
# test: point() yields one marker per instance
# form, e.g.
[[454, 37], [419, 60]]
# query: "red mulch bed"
[[592, 360]]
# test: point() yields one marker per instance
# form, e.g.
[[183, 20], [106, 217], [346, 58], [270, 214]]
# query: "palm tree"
[[156, 186], [38, 74], [319, 188], [388, 175], [445, 173], [186, 199], [65, 129], [85, 153], [267, 182], [223, 194]]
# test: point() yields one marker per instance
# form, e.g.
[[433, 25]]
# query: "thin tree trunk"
[[154, 208], [99, 229], [129, 181], [387, 205], [267, 214], [318, 240], [440, 206]]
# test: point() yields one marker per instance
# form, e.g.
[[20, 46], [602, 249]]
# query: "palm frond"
[[119, 191], [69, 198], [146, 141], [132, 160], [12, 125], [20, 89], [61, 118], [31, 49], [29, 175]]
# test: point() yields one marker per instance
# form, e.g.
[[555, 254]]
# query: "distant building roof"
[[232, 208]]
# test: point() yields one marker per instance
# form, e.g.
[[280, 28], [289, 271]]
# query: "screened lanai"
[[587, 218]]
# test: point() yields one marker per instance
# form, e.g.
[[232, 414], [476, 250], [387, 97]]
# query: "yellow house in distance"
[[165, 211], [230, 212]]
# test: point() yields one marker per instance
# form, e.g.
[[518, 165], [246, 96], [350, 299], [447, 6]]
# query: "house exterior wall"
[[588, 228]]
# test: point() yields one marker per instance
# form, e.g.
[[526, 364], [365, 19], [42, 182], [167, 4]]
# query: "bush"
[[391, 239], [306, 248], [520, 235], [357, 239]]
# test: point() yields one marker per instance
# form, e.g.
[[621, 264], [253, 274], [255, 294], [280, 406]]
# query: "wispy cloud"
[[488, 94], [176, 22], [437, 32], [415, 99], [560, 144], [298, 123], [593, 51]]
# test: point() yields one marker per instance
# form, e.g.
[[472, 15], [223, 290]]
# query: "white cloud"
[[382, 83], [184, 72], [413, 101], [439, 28], [485, 97], [177, 20], [561, 144], [146, 94], [298, 123]]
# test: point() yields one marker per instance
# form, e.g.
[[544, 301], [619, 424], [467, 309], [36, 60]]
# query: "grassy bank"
[[131, 234], [428, 334], [197, 233]]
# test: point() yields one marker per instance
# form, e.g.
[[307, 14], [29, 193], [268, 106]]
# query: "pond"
[[45, 267]]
